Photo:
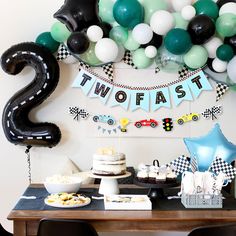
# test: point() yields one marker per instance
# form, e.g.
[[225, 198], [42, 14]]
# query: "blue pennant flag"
[[139, 99], [160, 98], [120, 97]]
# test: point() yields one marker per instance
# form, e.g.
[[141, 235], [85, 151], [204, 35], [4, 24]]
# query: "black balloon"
[[156, 41], [220, 3], [201, 28], [78, 43], [209, 64], [78, 14], [17, 126], [106, 28], [232, 42]]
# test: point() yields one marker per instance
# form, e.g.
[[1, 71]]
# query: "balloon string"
[[27, 151]]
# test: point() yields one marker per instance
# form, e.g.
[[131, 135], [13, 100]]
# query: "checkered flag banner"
[[128, 59], [183, 72], [219, 165], [62, 53], [109, 70], [83, 65], [193, 164], [181, 164], [78, 113], [213, 112], [221, 89]]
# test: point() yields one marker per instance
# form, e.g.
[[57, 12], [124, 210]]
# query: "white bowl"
[[72, 187]]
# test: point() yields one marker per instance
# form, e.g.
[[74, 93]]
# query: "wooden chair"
[[3, 232], [58, 227], [221, 230]]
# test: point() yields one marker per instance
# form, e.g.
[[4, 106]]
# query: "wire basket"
[[202, 201]]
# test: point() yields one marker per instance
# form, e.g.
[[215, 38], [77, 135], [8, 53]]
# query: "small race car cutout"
[[188, 117], [152, 123], [104, 119]]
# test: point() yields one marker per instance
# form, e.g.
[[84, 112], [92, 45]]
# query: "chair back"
[[221, 230], [57, 227]]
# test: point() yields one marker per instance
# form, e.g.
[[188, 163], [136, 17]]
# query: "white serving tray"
[[127, 202]]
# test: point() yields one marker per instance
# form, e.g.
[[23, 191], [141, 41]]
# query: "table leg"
[[19, 228]]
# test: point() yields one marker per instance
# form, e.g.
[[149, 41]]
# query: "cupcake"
[[153, 174], [142, 174], [171, 177], [161, 178]]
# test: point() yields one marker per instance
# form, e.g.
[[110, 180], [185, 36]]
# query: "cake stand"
[[109, 184]]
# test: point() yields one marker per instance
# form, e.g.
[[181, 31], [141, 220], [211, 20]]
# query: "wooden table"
[[26, 221]]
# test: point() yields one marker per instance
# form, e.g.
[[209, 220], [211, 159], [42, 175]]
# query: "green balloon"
[[180, 22], [119, 34], [178, 41], [140, 60], [196, 57], [151, 6], [226, 25], [225, 52], [131, 44], [106, 10], [128, 13], [89, 56], [59, 32], [47, 41], [207, 7]]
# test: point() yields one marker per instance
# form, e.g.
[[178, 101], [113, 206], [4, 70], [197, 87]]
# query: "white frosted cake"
[[107, 162]]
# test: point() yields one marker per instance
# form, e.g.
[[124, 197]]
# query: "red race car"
[[151, 122]]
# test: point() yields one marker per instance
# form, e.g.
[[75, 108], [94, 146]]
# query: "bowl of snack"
[[62, 184]]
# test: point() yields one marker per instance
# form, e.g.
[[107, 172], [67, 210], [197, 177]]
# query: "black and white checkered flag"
[[212, 112], [194, 165], [128, 59], [221, 89], [78, 113], [109, 70], [83, 65], [62, 53], [219, 165], [183, 72], [181, 164]]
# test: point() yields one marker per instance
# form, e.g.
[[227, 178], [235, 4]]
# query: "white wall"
[[22, 21]]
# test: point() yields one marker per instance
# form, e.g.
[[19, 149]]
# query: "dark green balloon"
[[225, 52], [128, 13], [47, 41], [207, 7], [178, 41]]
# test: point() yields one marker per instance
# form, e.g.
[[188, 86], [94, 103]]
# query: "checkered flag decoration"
[[194, 165], [183, 72], [62, 53], [212, 112], [83, 65], [128, 59], [219, 165], [181, 164], [221, 89], [78, 113], [109, 70]]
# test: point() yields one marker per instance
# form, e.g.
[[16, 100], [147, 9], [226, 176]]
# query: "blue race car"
[[104, 119]]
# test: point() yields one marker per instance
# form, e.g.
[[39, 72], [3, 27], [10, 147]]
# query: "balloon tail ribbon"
[[27, 151]]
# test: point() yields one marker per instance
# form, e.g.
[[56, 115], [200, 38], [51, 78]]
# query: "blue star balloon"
[[207, 148]]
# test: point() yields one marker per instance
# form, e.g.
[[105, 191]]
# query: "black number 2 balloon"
[[16, 123]]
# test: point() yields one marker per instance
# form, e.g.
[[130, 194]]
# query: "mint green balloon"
[[226, 25], [59, 32], [140, 60], [151, 6], [119, 34], [180, 22], [89, 56], [105, 9], [196, 57], [131, 44]]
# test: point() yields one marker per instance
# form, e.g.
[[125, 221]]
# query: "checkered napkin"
[[212, 112], [219, 165], [62, 53], [128, 59], [109, 70], [221, 89], [183, 72], [181, 164]]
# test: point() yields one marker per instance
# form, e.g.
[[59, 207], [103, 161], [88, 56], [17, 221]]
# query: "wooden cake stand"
[[109, 184]]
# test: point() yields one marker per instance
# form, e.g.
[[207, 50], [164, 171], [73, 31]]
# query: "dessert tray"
[[67, 200]]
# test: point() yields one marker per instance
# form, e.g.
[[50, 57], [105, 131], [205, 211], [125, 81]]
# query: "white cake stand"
[[109, 184]]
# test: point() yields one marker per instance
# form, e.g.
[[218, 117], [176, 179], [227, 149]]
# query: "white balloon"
[[212, 45], [162, 22], [231, 69], [229, 7], [121, 53], [178, 5], [94, 33], [150, 51], [106, 50], [142, 33], [188, 12], [219, 66]]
